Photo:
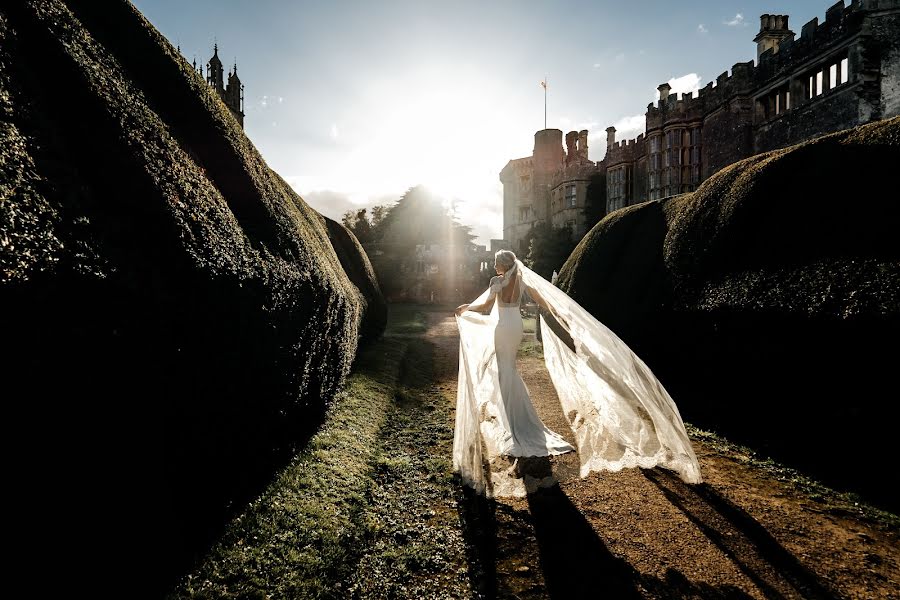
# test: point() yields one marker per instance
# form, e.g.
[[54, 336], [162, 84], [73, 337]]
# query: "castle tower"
[[773, 29], [215, 72], [549, 156]]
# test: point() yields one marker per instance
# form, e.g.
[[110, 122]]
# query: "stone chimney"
[[571, 151], [664, 90], [610, 137], [773, 29], [583, 145]]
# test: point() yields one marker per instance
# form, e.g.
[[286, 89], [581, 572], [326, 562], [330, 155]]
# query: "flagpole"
[[544, 85]]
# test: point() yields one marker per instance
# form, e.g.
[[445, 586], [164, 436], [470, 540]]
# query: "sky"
[[354, 102]]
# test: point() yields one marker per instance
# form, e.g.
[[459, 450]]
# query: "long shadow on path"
[[575, 561], [774, 570]]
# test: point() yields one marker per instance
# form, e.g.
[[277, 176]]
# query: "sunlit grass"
[[302, 536]]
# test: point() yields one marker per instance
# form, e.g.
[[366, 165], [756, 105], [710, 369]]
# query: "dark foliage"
[[548, 248], [358, 268], [174, 315], [768, 299]]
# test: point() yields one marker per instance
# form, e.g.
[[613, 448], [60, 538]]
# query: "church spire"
[[215, 73]]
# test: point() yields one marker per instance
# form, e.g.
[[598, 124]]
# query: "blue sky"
[[354, 102]]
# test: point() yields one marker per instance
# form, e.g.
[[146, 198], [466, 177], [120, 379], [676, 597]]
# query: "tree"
[[417, 218], [358, 222], [548, 248]]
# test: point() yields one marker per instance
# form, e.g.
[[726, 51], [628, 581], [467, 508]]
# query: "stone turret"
[[215, 72], [773, 30], [664, 89], [234, 95]]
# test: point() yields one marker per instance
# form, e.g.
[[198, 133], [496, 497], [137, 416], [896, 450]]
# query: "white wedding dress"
[[517, 430], [620, 414]]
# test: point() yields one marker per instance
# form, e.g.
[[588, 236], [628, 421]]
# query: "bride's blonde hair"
[[505, 258]]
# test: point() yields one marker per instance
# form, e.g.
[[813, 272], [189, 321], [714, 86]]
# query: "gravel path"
[[645, 534]]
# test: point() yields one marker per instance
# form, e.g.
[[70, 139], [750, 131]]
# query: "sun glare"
[[445, 136]]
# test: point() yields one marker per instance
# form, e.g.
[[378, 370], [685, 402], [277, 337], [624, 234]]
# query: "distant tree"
[[349, 219], [362, 228], [417, 218], [548, 248], [378, 214], [359, 223]]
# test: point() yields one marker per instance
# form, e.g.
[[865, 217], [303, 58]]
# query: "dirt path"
[[645, 534]]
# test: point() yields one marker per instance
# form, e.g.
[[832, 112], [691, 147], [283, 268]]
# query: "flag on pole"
[[544, 84]]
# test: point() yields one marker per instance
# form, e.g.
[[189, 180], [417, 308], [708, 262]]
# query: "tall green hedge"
[[175, 317], [768, 300]]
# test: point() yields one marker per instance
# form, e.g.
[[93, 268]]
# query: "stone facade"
[[838, 74], [549, 186]]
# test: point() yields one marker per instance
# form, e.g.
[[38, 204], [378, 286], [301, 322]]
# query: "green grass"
[[829, 500], [405, 319], [303, 535]]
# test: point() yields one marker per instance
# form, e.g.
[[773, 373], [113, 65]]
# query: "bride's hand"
[[461, 309]]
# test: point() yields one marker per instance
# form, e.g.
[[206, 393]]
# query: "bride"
[[619, 412]]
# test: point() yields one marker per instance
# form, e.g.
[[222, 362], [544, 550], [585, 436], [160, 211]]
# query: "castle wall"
[[727, 136], [825, 114], [886, 32]]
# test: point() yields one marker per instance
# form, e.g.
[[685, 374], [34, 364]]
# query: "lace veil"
[[619, 412]]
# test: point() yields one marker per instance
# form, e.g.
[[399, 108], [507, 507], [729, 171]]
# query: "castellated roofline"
[[842, 23]]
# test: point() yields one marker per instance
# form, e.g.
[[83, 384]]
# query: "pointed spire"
[[215, 48]]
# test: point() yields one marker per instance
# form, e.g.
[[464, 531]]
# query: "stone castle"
[[231, 91], [837, 74]]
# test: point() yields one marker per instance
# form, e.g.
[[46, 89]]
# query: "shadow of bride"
[[575, 561], [775, 571]]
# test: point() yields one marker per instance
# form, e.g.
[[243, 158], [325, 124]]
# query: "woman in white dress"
[[619, 412], [524, 434]]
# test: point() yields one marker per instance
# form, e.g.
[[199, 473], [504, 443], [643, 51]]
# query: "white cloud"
[[684, 84], [620, 57], [597, 65], [630, 127], [334, 131], [737, 20], [701, 28]]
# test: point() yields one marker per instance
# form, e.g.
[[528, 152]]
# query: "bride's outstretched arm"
[[536, 296], [482, 308]]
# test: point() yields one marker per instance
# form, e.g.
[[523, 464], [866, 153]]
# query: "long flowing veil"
[[620, 413]]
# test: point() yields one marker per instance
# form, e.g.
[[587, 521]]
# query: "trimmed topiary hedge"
[[175, 317], [768, 300]]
